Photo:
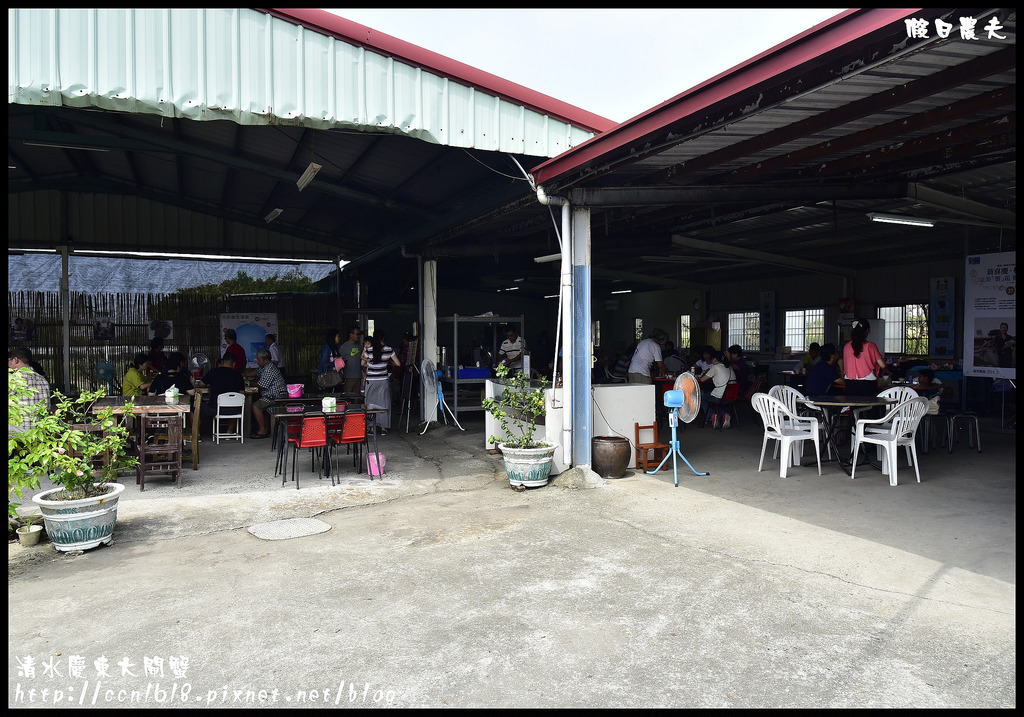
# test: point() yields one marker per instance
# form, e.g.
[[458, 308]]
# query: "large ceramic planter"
[[80, 524], [610, 456], [529, 467]]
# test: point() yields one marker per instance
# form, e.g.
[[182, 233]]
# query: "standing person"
[[20, 359], [329, 351], [511, 352], [272, 387], [377, 358], [620, 373], [824, 373], [235, 350], [156, 356], [276, 355], [719, 375], [862, 362], [352, 352], [173, 374], [647, 356], [135, 382], [738, 363]]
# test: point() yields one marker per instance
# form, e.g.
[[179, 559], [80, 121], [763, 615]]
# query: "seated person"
[[222, 379], [272, 387], [135, 382], [602, 371], [739, 364], [718, 376], [675, 364], [824, 373], [174, 373], [704, 362], [620, 374], [812, 357]]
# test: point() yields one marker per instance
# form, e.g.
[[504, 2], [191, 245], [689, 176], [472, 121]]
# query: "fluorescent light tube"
[[308, 175], [273, 215], [623, 291], [548, 257], [897, 219]]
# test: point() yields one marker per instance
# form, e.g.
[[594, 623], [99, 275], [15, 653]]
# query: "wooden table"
[[157, 405]]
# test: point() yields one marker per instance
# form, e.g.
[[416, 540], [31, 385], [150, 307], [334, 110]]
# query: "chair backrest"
[[773, 412], [231, 399], [900, 393], [788, 395], [732, 392], [354, 430], [314, 432], [906, 417], [652, 427], [754, 388]]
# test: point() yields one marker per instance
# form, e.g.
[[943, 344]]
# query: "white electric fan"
[[430, 376], [684, 398], [199, 364]]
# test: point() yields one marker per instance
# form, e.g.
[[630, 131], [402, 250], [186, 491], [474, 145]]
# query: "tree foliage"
[[293, 280]]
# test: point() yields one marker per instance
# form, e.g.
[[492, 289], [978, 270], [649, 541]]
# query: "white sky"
[[615, 63]]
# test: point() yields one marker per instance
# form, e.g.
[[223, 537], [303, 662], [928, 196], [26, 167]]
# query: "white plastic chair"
[[896, 428], [899, 394], [789, 429], [790, 397], [231, 400]]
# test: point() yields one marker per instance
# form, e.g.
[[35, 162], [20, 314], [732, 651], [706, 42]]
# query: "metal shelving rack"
[[455, 382]]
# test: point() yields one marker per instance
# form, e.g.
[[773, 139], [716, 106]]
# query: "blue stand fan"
[[684, 397]]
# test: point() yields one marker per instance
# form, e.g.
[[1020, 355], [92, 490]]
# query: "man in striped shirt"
[[272, 386]]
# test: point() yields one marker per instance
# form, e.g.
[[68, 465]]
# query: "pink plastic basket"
[[295, 390]]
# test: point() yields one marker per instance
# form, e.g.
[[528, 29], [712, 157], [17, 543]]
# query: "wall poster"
[[251, 332], [767, 321], [990, 315]]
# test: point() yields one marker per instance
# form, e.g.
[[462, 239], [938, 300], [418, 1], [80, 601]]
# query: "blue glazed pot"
[[80, 524], [530, 467]]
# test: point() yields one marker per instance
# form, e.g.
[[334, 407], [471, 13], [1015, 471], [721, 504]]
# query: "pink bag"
[[339, 363]]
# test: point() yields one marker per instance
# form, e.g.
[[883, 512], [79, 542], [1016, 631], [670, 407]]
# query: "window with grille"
[[684, 332], [745, 330], [638, 326], [804, 327], [906, 329], [595, 334]]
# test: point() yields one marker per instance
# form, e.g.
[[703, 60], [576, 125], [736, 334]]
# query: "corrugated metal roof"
[[260, 68]]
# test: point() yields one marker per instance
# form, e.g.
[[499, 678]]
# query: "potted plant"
[[80, 453], [528, 460], [30, 532]]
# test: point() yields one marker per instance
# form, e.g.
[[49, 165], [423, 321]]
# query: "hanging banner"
[[767, 321], [250, 332], [941, 339], [160, 329], [990, 315]]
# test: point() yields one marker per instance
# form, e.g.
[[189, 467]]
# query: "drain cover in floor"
[[290, 528]]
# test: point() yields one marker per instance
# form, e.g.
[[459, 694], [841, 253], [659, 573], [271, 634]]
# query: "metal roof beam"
[[762, 256], [668, 195]]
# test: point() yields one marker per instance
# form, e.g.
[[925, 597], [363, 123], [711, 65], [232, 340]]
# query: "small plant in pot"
[[528, 460], [79, 452]]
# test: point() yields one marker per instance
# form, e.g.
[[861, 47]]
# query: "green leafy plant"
[[517, 409], [75, 448]]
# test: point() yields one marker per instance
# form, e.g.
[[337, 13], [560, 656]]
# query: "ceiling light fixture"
[[308, 175], [273, 215], [897, 219], [547, 258], [623, 291], [551, 296]]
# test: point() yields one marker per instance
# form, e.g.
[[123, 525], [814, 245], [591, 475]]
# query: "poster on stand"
[[990, 315], [251, 332]]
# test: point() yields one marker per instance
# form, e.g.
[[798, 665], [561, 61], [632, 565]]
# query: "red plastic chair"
[[353, 434], [314, 436]]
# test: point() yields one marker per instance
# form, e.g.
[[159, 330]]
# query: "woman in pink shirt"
[[862, 362]]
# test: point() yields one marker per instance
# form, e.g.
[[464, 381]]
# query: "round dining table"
[[831, 407]]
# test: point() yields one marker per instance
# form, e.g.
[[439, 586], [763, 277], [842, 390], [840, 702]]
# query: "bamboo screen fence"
[[302, 321]]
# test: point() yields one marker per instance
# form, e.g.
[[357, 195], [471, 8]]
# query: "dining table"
[[296, 412], [156, 406], [831, 407]]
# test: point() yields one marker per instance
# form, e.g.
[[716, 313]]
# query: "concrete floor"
[[440, 587]]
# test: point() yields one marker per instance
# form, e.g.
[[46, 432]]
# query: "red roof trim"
[[844, 28], [329, 24]]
